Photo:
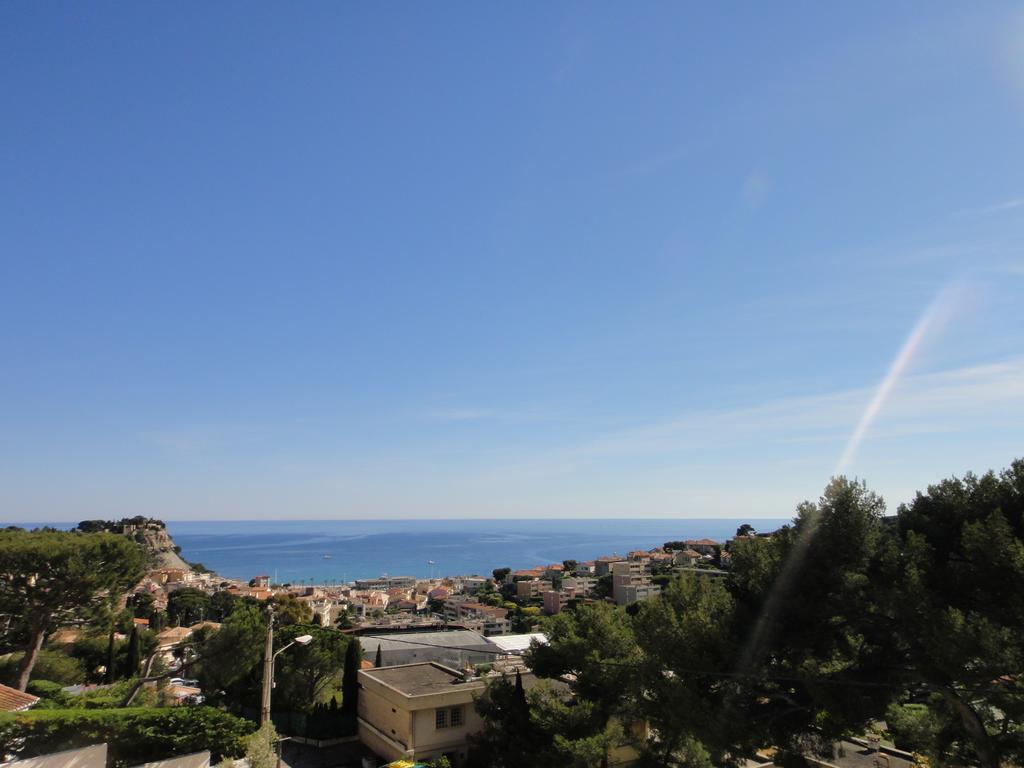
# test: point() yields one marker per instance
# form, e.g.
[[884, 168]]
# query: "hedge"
[[133, 736]]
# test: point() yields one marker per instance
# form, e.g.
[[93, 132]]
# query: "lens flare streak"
[[936, 314], [931, 320]]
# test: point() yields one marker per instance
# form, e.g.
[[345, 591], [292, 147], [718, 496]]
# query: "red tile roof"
[[13, 700]]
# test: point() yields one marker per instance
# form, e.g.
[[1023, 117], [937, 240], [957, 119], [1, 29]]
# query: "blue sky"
[[498, 260]]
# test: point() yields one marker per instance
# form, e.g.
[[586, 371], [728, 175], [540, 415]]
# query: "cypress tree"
[[134, 652], [519, 716], [110, 676], [379, 661], [350, 679], [520, 692]]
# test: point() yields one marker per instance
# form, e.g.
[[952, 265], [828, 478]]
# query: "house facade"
[[420, 712], [631, 581], [417, 712]]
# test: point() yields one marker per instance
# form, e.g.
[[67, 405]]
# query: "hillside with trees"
[[838, 622], [845, 622], [71, 638]]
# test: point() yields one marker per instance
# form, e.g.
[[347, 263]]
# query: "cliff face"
[[148, 532], [158, 544]]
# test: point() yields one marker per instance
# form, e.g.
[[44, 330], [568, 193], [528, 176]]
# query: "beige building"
[[418, 711], [579, 586], [529, 589], [631, 581], [487, 619]]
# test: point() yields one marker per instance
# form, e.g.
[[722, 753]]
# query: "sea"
[[338, 551]]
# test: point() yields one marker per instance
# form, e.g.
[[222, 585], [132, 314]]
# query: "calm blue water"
[[294, 550]]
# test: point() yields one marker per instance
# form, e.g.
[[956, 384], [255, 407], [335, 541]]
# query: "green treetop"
[[50, 577]]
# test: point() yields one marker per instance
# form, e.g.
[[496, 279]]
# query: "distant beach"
[[325, 551]]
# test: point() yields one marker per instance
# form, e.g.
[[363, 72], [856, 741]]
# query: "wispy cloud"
[[959, 400], [1006, 205]]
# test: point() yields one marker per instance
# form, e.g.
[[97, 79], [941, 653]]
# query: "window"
[[448, 718]]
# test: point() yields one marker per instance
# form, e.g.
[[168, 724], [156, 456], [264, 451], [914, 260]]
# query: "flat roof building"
[[517, 644], [419, 711]]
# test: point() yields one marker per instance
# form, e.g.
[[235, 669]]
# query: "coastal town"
[[445, 627], [112, 633], [495, 604], [511, 385], [427, 645]]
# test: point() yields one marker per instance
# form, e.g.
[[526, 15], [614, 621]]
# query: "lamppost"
[[268, 663]]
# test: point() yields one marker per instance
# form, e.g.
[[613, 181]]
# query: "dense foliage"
[[50, 665], [118, 526], [133, 736], [545, 728], [230, 670], [836, 621], [49, 577]]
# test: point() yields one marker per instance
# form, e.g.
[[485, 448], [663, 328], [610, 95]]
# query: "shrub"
[[105, 697], [51, 695], [45, 689], [133, 736], [914, 727], [50, 665], [260, 747]]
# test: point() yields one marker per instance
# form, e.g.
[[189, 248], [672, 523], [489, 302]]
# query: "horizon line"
[[380, 520]]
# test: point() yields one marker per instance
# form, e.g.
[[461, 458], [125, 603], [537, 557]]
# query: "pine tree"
[[51, 578]]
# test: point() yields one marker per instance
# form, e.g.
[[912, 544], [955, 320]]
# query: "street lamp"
[[268, 663]]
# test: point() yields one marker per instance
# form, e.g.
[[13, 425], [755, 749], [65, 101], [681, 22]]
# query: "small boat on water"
[[328, 557]]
